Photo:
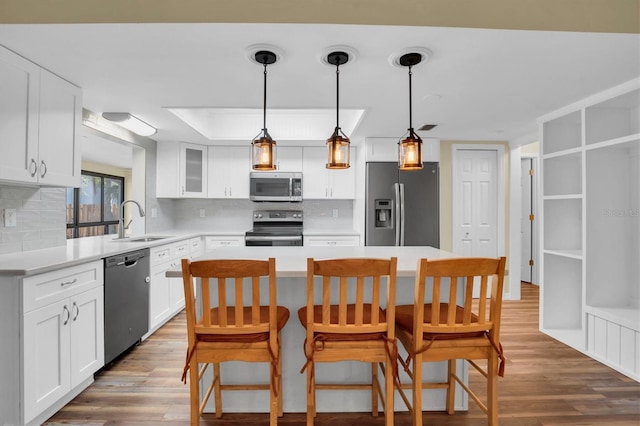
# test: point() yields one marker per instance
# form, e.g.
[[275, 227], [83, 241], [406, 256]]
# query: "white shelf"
[[626, 316], [572, 254], [590, 293], [563, 197]]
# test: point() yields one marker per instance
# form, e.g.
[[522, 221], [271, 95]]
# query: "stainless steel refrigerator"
[[402, 207]]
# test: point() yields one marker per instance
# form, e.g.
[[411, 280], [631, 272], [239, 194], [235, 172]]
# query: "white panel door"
[[476, 203], [525, 223]]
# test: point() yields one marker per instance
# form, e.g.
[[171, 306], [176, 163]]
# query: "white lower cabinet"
[[58, 342], [217, 241], [166, 295], [331, 240]]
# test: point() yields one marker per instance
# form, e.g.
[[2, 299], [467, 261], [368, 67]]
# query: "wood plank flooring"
[[546, 383]]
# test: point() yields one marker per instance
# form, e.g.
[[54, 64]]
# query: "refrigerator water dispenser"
[[383, 214]]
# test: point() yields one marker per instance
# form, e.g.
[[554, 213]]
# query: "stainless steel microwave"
[[275, 186]]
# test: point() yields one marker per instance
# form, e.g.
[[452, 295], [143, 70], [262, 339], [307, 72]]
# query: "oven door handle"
[[273, 238]]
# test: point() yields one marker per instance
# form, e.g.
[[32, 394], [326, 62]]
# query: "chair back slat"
[[326, 300], [468, 299], [445, 276], [356, 303], [453, 295], [255, 301], [224, 286], [342, 310], [206, 300], [239, 306], [435, 311], [222, 302]]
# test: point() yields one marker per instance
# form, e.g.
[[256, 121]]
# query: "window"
[[94, 208]]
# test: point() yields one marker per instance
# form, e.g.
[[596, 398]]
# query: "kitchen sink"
[[143, 239]]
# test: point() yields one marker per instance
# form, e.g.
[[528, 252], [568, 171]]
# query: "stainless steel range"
[[275, 228]]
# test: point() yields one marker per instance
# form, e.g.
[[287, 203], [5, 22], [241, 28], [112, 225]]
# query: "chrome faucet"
[[121, 227]]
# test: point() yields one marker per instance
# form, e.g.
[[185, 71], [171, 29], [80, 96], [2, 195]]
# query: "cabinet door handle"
[[77, 308], [65, 309], [35, 168], [43, 168], [66, 283]]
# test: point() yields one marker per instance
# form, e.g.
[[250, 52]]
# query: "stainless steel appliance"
[[275, 186], [402, 207], [126, 301], [275, 228]]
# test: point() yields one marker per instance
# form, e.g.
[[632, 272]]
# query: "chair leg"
[[492, 389], [274, 393], [374, 389], [451, 390], [280, 388], [217, 389], [389, 392], [194, 393], [311, 394], [417, 390]]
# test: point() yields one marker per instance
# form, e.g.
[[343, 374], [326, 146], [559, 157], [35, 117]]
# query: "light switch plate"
[[202, 214], [9, 217]]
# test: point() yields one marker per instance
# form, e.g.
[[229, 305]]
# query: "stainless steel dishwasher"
[[126, 301]]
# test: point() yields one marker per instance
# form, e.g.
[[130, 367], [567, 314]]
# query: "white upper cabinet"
[[289, 158], [229, 168], [182, 170], [40, 117], [322, 183]]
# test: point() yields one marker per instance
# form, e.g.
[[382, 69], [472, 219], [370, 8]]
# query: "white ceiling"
[[477, 85]]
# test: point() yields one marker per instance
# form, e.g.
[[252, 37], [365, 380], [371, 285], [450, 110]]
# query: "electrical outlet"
[[9, 216], [202, 213], [154, 212], [335, 212]]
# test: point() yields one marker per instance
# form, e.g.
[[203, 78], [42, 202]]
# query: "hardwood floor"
[[545, 383]]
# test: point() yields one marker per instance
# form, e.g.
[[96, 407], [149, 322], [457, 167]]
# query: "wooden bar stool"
[[339, 329], [439, 329], [230, 329]]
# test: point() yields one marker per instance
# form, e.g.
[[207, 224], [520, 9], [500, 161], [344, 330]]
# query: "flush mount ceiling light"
[[129, 122], [264, 147], [338, 143], [410, 148]]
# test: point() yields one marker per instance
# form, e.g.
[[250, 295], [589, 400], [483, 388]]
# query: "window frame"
[[77, 225]]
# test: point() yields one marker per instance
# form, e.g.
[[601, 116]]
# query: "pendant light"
[[263, 152], [410, 148], [338, 143]]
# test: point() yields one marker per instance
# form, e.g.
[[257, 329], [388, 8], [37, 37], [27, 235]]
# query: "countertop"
[[81, 250], [292, 261]]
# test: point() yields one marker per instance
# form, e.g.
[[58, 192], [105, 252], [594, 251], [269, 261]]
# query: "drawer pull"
[[66, 283]]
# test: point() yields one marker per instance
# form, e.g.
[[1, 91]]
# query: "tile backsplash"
[[40, 218]]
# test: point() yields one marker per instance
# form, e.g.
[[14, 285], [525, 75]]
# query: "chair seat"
[[334, 315], [404, 320], [282, 316]]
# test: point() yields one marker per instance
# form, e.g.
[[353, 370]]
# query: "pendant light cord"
[[264, 108], [337, 98], [410, 103]]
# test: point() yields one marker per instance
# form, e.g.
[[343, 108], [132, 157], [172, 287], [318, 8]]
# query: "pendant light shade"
[[263, 151], [410, 148], [338, 143]]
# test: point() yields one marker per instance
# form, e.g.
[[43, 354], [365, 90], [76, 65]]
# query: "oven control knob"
[[257, 215]]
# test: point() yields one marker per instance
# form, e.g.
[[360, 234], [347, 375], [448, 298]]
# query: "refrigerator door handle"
[[398, 208], [402, 214]]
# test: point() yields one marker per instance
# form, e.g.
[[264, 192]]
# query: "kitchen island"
[[291, 273]]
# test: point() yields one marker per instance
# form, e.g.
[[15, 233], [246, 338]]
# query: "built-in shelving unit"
[[590, 271]]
